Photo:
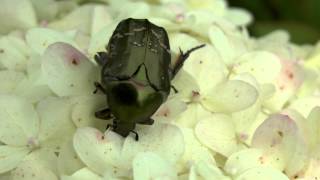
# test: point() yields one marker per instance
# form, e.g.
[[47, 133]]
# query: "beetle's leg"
[[174, 89], [99, 87], [137, 136], [108, 126], [147, 122], [147, 76], [101, 58], [103, 114], [182, 57]]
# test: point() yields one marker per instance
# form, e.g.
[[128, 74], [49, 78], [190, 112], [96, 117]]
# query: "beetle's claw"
[[137, 136]]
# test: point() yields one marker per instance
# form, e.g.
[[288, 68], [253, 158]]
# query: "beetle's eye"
[[125, 93]]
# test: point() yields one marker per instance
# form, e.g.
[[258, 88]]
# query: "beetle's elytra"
[[136, 74]]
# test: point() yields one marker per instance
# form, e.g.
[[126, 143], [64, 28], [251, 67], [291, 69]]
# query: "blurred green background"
[[301, 18]]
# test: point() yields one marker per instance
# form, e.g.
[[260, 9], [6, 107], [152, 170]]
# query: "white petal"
[[14, 52], [39, 39], [194, 151], [264, 66], [312, 128], [98, 40], [100, 18], [84, 109], [166, 140], [45, 9], [243, 160], [305, 105], [239, 16], [16, 14], [217, 133], [19, 122], [101, 153], [67, 71], [262, 173], [151, 166], [9, 80], [56, 124], [209, 171], [10, 157], [206, 67], [190, 117], [82, 174], [186, 85], [38, 165], [230, 96], [68, 161], [223, 44]]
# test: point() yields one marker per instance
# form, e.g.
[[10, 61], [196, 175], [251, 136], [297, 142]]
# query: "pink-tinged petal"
[[218, 134], [16, 14], [287, 84], [38, 165], [282, 144], [19, 122], [67, 71], [170, 110], [100, 152], [148, 165], [10, 157]]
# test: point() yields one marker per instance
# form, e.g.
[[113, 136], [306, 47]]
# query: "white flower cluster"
[[246, 109]]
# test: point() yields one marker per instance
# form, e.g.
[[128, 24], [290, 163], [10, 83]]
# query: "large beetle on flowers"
[[136, 74]]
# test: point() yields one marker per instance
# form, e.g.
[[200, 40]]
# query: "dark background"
[[301, 18]]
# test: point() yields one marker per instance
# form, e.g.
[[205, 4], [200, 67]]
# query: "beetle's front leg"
[[146, 122], [101, 58], [182, 57], [103, 114], [174, 89], [99, 87]]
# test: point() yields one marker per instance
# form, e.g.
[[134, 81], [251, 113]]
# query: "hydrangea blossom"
[[247, 108]]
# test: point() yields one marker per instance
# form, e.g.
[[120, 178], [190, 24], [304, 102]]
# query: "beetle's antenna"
[[182, 57]]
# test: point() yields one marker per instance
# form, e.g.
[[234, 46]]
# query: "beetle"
[[136, 74]]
